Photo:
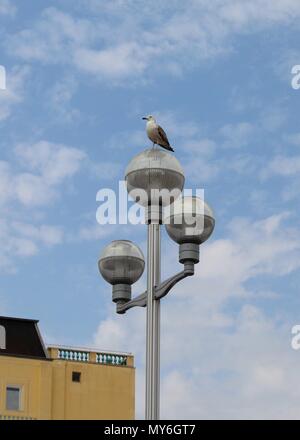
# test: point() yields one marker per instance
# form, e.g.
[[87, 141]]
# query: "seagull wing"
[[164, 140]]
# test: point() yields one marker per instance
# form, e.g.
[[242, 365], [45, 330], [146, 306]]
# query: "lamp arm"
[[139, 301], [160, 291], [164, 288]]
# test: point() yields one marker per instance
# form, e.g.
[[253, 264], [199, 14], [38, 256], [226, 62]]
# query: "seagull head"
[[149, 118]]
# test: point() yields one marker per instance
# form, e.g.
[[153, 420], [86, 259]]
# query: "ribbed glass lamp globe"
[[189, 220], [121, 262], [154, 171]]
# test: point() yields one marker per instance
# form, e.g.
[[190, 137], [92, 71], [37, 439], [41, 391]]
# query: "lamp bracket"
[[160, 291]]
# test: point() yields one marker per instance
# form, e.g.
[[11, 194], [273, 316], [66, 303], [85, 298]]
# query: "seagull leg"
[[153, 145]]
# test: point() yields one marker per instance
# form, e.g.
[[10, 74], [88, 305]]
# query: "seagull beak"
[[145, 118]]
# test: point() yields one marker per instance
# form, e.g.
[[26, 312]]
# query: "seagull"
[[156, 134]]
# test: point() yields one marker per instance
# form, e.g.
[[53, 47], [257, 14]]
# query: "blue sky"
[[80, 75]]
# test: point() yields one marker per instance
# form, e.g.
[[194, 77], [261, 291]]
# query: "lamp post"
[[155, 179]]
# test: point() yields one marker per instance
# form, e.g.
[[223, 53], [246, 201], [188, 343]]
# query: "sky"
[[217, 75]]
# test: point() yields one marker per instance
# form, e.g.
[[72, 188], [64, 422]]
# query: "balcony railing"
[[111, 359], [83, 354], [6, 417], [74, 355]]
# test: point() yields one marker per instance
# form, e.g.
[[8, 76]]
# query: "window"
[[2, 338], [76, 376], [13, 398]]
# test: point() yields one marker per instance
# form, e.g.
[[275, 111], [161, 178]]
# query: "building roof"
[[19, 319], [21, 337]]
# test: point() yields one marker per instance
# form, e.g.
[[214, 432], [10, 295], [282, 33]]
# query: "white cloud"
[[115, 62], [145, 40], [45, 167], [105, 170], [282, 166], [93, 232], [201, 152], [286, 166], [7, 8], [60, 100], [110, 334], [206, 147], [237, 135], [219, 362], [261, 12], [51, 38], [294, 139], [246, 372], [290, 191], [31, 190], [33, 181], [46, 234], [55, 162], [178, 127], [21, 240], [14, 92], [5, 178], [272, 119], [201, 167]]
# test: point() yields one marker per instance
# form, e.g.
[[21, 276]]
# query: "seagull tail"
[[167, 147]]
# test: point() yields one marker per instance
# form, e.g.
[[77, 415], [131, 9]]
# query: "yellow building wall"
[[104, 392], [35, 378]]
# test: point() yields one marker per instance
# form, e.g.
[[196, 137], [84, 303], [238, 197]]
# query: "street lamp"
[[155, 180], [121, 264], [190, 222]]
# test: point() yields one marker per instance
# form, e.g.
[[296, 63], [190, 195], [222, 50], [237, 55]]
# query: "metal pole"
[[153, 325]]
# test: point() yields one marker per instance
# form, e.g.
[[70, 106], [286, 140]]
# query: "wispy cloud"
[[188, 35], [55, 162], [45, 167], [7, 8], [231, 349], [23, 240], [60, 100], [35, 180], [282, 166], [15, 90], [237, 135], [230, 122]]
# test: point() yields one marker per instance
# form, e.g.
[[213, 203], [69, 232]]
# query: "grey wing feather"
[[163, 135]]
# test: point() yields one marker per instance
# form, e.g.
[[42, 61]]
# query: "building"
[[60, 382]]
